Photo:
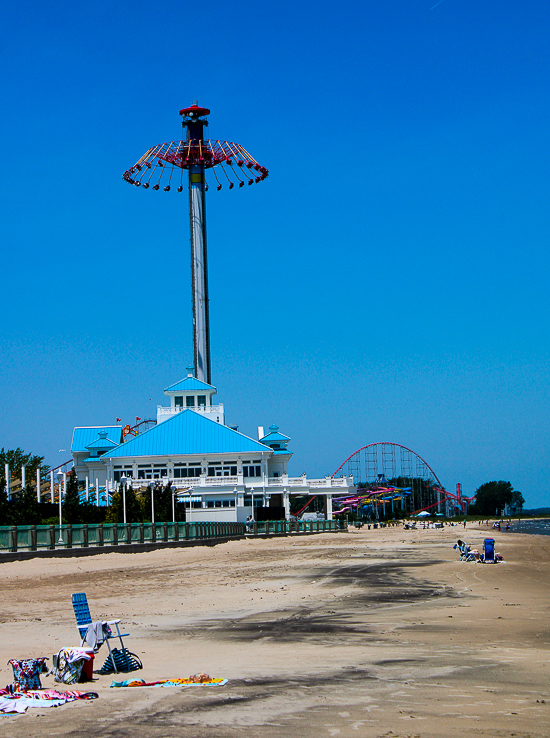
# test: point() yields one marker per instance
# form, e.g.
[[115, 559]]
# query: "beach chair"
[[489, 551], [84, 619]]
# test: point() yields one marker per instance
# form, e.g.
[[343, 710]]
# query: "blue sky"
[[388, 281]]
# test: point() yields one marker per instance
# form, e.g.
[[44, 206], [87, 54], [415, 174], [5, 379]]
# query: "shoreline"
[[331, 634]]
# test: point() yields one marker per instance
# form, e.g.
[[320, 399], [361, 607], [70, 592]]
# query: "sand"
[[371, 633]]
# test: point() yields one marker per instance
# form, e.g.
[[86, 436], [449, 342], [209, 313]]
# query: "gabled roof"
[[190, 384], [102, 443], [274, 436], [83, 436], [187, 433]]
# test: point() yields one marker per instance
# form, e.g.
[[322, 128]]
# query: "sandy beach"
[[372, 633]]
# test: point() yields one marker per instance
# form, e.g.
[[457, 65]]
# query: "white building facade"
[[219, 474]]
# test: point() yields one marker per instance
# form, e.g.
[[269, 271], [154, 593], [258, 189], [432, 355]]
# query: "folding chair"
[[489, 551], [83, 619]]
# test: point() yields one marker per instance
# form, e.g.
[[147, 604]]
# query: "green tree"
[[5, 512], [163, 504], [491, 497], [25, 510], [72, 509], [115, 513], [517, 501], [17, 458]]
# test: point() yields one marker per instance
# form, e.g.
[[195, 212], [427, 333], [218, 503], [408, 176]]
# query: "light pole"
[[59, 485], [123, 480], [173, 505], [152, 487]]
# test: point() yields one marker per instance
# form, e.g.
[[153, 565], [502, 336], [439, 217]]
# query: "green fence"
[[38, 537]]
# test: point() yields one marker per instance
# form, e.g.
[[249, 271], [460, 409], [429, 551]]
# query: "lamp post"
[[59, 485], [123, 481], [152, 487], [173, 505]]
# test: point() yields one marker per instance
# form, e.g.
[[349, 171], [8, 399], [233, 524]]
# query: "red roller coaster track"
[[389, 443], [458, 498]]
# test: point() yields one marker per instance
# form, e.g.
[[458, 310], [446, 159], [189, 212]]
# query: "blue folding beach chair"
[[84, 619], [489, 551]]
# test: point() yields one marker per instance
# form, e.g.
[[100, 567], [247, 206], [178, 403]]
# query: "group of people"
[[497, 525]]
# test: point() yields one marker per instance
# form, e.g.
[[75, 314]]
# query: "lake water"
[[538, 527]]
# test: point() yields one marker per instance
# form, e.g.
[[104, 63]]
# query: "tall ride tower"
[[194, 121], [198, 156]]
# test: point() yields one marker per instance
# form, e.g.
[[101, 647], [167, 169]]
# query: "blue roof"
[[189, 384], [101, 443], [281, 451], [274, 436], [82, 437], [187, 433]]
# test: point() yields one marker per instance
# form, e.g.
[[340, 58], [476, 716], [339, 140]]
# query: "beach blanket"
[[171, 683], [17, 702]]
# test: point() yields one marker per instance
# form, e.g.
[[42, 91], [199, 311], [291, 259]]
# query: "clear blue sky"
[[389, 281]]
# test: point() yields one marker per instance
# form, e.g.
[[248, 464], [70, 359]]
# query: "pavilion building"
[[220, 474]]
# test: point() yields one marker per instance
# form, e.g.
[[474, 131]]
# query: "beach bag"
[[26, 673], [125, 661], [67, 671]]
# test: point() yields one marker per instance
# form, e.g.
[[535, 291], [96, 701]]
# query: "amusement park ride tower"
[[197, 155]]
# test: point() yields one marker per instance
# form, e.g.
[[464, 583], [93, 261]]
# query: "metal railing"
[[35, 537], [197, 408], [16, 538]]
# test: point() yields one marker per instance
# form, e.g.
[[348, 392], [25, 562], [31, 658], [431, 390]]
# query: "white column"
[[23, 477], [7, 478], [329, 507], [97, 491], [38, 490], [52, 490], [87, 488], [286, 503]]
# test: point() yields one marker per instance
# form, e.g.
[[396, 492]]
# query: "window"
[[252, 471], [178, 401], [275, 474], [248, 500], [201, 400], [117, 475], [210, 503], [218, 503], [184, 473], [190, 401]]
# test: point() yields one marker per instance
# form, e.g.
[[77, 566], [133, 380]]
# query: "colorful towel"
[[20, 701], [171, 683]]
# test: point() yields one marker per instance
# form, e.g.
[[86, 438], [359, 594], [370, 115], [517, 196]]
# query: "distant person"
[[464, 523]]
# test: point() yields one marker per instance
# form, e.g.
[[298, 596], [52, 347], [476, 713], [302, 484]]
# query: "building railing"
[[197, 408], [256, 482]]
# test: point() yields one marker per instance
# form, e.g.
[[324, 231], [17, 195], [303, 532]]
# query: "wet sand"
[[371, 633]]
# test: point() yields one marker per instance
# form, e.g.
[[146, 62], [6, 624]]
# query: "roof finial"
[[190, 371]]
